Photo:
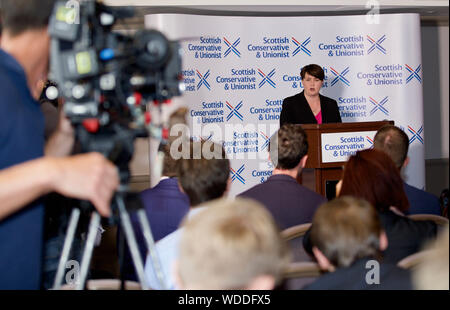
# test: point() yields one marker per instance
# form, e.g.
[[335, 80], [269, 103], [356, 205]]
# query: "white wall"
[[435, 55]]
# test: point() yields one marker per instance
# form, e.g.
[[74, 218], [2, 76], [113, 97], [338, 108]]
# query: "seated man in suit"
[[348, 238], [204, 176], [393, 141], [231, 245], [165, 206], [289, 202]]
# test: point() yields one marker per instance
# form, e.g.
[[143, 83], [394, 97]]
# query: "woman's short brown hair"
[[372, 175], [314, 70]]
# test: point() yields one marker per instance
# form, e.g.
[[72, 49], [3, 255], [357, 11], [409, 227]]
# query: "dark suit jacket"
[[421, 202], [354, 278], [296, 110], [289, 202], [165, 206], [405, 236]]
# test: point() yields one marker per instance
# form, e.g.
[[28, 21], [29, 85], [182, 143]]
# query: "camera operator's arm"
[[61, 141], [87, 176]]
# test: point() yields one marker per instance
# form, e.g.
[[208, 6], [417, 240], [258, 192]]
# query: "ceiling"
[[429, 10]]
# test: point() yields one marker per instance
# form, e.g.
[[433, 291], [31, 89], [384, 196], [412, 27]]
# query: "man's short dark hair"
[[394, 142], [288, 146], [314, 70], [205, 178], [346, 229], [20, 15]]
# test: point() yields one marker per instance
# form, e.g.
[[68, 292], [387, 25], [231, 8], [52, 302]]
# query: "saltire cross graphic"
[[234, 111], [266, 140], [379, 106], [237, 174], [232, 47], [267, 78], [370, 141], [376, 44], [340, 76], [416, 135], [203, 80], [301, 46], [207, 139], [413, 73]]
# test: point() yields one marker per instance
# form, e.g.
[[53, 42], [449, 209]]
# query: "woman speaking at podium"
[[310, 107]]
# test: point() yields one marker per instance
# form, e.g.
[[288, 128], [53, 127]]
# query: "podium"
[[330, 145]]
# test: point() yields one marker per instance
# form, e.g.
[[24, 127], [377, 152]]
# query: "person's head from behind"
[[204, 175], [394, 142], [26, 38], [288, 148], [19, 16], [231, 245], [345, 230], [373, 176]]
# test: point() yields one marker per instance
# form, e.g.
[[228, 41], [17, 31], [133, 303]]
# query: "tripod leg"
[[151, 246], [131, 240], [88, 249], [73, 222]]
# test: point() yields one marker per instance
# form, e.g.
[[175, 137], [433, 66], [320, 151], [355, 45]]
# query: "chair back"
[[413, 260], [439, 220], [295, 231]]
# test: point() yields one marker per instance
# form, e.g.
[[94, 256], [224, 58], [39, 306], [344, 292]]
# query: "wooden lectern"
[[320, 172]]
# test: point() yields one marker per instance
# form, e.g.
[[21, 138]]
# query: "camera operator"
[[27, 171]]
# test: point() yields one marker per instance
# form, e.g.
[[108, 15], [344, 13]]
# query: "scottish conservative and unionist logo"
[[301, 48], [203, 79], [369, 141], [267, 79], [206, 48], [237, 79], [234, 111], [416, 135], [237, 174], [382, 74], [231, 48], [189, 79], [413, 74], [379, 106], [270, 111], [352, 107], [270, 47], [209, 112], [265, 140], [343, 46], [340, 76], [376, 45]]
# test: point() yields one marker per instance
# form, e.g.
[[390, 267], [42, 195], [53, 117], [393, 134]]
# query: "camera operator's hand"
[[62, 140], [87, 176]]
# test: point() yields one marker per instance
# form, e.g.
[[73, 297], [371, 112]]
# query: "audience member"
[[433, 272], [203, 174], [289, 202], [26, 174], [347, 235], [372, 175], [395, 143], [165, 206], [231, 245]]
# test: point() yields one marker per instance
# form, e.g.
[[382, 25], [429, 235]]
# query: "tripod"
[[90, 239], [118, 147]]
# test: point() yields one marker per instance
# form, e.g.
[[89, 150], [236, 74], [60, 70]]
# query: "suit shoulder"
[[311, 193], [291, 99]]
